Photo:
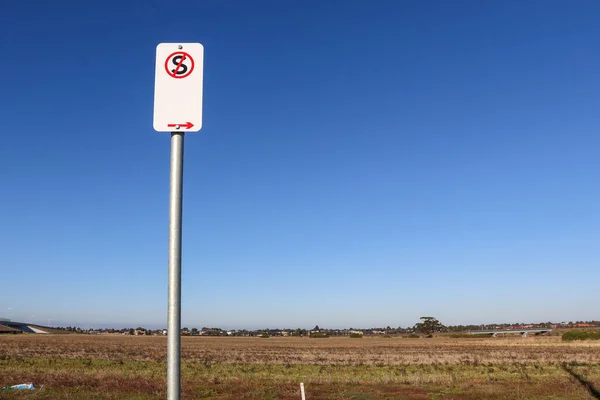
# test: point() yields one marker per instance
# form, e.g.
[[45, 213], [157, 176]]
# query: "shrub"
[[580, 335], [412, 336], [318, 335], [356, 336]]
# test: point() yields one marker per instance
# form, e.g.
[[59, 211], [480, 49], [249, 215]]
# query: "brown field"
[[128, 367]]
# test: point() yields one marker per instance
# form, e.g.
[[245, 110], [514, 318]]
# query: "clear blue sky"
[[361, 163]]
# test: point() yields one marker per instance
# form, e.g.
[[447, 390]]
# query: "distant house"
[[209, 332], [584, 325]]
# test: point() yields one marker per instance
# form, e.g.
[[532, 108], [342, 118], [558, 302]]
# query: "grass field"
[[128, 367]]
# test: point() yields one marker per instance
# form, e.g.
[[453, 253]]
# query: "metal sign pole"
[[174, 310]]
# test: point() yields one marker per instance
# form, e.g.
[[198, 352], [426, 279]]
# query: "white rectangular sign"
[[178, 87]]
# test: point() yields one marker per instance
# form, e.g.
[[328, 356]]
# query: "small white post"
[[302, 391]]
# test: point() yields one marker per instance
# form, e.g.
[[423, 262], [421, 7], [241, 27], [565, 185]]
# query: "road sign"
[[178, 87]]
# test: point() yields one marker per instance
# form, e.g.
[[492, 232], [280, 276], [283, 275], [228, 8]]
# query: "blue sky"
[[361, 163]]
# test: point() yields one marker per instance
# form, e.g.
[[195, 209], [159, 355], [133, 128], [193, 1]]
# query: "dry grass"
[[338, 351], [107, 367]]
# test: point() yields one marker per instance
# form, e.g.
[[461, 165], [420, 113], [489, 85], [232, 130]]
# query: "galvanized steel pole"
[[174, 310]]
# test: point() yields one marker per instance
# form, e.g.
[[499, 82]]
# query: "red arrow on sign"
[[187, 125]]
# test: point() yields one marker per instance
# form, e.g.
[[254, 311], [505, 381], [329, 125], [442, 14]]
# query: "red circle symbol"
[[178, 69]]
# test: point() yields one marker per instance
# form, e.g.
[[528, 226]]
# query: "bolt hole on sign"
[[178, 87]]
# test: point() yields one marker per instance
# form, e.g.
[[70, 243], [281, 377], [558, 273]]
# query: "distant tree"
[[131, 331], [429, 325], [316, 328], [194, 331]]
